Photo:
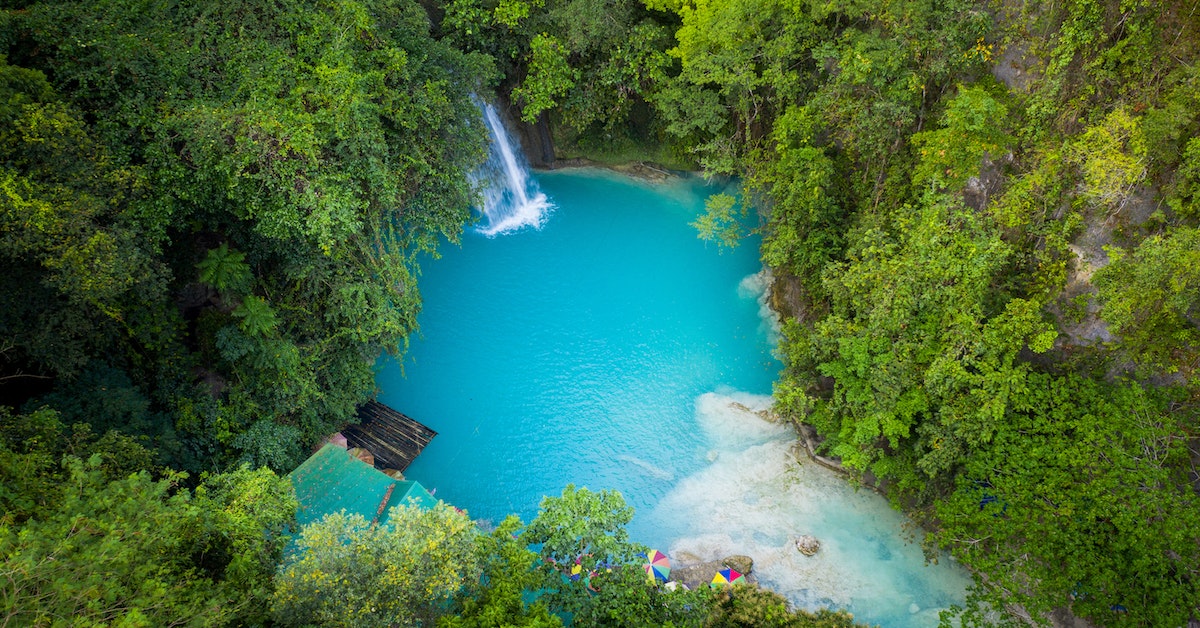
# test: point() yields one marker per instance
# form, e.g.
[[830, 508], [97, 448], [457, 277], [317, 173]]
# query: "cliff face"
[[536, 141]]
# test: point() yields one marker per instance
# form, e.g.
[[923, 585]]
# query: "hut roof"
[[332, 480]]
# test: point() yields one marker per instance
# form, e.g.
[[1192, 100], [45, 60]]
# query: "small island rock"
[[808, 544]]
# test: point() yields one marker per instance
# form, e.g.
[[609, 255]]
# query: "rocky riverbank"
[[644, 170], [695, 573]]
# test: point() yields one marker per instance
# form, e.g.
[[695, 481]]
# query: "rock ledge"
[[701, 574]]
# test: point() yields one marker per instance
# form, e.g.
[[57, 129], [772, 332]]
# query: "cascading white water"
[[511, 199]]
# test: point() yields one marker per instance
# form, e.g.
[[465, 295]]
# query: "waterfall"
[[511, 199]]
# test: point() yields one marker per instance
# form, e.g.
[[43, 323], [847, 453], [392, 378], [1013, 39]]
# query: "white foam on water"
[[512, 200], [732, 422], [758, 287], [647, 468], [506, 212], [757, 496]]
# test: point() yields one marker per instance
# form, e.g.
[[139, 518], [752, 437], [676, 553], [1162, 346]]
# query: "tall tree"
[[1080, 500], [347, 571], [140, 552]]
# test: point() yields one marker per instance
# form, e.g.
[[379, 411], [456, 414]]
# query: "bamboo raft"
[[394, 439]]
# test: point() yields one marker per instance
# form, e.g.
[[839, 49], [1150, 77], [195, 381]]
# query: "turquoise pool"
[[614, 349]]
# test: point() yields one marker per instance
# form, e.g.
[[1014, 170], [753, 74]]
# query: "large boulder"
[[701, 574], [739, 563], [808, 544]]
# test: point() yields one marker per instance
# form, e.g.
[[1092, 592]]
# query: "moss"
[[626, 146]]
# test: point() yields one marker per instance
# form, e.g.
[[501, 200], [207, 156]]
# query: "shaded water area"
[[611, 348]]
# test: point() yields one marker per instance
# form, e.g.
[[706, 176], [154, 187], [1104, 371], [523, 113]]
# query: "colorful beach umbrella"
[[728, 576], [657, 566]]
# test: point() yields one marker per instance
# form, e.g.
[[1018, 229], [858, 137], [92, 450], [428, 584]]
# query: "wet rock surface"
[[808, 544], [701, 574]]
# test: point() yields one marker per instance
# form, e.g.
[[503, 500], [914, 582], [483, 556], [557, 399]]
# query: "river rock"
[[697, 575], [808, 545], [766, 415], [739, 563], [644, 170]]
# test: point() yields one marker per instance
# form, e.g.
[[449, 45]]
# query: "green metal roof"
[[412, 489], [332, 480]]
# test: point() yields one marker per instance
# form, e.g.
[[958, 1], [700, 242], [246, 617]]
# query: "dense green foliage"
[[590, 65], [980, 218], [1080, 497], [1150, 297], [509, 575], [32, 447], [346, 571], [433, 567], [744, 607], [98, 545], [210, 217], [585, 529], [223, 201]]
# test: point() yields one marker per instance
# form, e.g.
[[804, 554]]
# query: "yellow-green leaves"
[[134, 551], [1111, 158], [511, 12], [550, 77], [973, 128], [1149, 298], [720, 220], [1186, 197], [349, 572]]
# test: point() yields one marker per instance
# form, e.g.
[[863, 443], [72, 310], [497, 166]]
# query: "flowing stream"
[[604, 345]]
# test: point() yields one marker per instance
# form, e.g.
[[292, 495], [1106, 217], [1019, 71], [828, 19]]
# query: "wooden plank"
[[393, 438]]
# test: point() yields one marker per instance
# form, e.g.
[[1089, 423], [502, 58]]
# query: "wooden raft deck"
[[394, 439]]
